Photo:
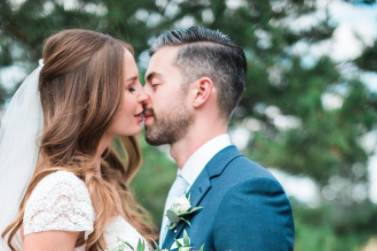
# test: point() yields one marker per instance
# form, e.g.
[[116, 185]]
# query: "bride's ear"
[[201, 91]]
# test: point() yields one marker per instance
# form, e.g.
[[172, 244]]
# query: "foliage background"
[[318, 141]]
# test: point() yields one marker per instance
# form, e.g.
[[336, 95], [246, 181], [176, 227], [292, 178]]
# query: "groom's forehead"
[[164, 55], [163, 59]]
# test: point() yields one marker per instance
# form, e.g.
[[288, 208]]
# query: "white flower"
[[180, 210], [181, 205]]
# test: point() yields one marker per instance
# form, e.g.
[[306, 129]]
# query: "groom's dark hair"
[[210, 53]]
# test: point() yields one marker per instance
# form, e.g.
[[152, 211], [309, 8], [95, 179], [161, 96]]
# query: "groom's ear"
[[201, 91]]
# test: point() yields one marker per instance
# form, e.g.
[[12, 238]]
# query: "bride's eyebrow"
[[131, 79]]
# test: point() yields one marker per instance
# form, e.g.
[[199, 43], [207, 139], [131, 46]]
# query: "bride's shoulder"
[[60, 182], [58, 198], [61, 178]]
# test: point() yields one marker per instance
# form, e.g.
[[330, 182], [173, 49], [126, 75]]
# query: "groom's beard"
[[169, 127]]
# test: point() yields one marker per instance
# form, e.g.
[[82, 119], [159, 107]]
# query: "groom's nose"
[[146, 99], [147, 89]]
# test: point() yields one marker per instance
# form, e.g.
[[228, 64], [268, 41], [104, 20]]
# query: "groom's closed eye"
[[153, 80], [155, 84], [153, 76]]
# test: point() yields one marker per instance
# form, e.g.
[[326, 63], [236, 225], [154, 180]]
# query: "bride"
[[68, 152]]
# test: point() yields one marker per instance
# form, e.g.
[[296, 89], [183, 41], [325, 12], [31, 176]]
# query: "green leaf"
[[191, 211], [201, 248], [172, 225], [186, 221], [186, 239], [140, 245]]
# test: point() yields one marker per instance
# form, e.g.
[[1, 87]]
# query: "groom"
[[195, 79]]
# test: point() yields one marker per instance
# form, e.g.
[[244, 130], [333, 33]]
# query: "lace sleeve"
[[60, 201]]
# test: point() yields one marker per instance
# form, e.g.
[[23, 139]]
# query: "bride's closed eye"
[[131, 84], [131, 89]]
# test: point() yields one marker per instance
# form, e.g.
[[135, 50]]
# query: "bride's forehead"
[[130, 67]]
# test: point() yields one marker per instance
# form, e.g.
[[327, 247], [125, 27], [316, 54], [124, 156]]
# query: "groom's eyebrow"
[[152, 75]]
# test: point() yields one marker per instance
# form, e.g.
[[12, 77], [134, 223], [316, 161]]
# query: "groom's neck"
[[196, 136]]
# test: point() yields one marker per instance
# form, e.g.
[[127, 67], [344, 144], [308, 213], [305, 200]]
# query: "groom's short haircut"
[[210, 53]]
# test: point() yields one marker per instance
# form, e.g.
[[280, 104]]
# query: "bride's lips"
[[139, 117]]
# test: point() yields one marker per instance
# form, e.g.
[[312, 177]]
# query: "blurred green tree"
[[291, 125]]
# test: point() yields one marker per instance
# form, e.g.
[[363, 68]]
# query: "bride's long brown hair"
[[81, 86]]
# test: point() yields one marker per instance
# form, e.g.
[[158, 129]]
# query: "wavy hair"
[[81, 86]]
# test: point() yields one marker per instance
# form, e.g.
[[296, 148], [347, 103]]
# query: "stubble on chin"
[[151, 136], [168, 130]]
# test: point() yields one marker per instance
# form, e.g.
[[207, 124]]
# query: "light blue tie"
[[176, 190]]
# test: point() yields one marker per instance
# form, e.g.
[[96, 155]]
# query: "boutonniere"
[[184, 243], [181, 210]]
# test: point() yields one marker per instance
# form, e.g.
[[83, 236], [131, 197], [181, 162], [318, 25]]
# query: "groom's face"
[[167, 115]]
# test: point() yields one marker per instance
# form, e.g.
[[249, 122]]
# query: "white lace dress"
[[61, 201]]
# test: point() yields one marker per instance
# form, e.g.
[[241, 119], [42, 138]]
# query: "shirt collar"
[[199, 159]]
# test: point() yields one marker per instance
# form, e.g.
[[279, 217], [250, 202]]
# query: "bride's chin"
[[135, 132]]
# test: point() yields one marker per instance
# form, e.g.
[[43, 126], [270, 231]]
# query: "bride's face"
[[128, 119]]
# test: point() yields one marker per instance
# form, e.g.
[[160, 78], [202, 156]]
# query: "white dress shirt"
[[192, 169], [199, 159]]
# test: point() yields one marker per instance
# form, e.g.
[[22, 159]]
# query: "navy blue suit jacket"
[[244, 208]]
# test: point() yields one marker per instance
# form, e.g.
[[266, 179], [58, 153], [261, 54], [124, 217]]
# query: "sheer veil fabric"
[[20, 130]]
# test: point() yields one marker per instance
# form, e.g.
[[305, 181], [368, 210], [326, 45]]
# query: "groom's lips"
[[148, 116]]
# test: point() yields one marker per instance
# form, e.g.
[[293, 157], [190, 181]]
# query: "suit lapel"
[[202, 185], [196, 192]]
